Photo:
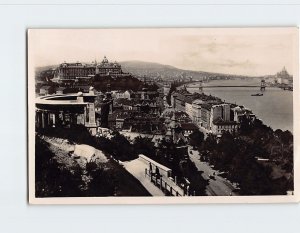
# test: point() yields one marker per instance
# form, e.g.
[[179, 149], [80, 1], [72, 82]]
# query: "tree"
[[102, 181], [53, 179], [122, 149], [196, 139], [210, 143], [286, 137], [144, 146], [245, 125]]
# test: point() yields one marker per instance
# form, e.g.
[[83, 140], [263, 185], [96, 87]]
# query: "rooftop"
[[206, 106], [220, 121], [198, 101], [46, 87], [188, 126], [63, 99]]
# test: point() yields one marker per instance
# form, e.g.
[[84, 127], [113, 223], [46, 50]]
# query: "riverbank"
[[274, 108]]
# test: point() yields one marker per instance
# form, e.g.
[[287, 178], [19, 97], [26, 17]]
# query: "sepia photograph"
[[162, 115]]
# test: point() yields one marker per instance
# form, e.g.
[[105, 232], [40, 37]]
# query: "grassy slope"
[[126, 184]]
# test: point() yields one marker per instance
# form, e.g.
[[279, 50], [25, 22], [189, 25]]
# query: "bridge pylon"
[[201, 86], [263, 85]]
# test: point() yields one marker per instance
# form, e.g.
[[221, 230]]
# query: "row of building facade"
[[209, 112]]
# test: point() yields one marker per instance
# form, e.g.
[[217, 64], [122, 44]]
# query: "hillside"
[[141, 68], [151, 69], [62, 173], [142, 65]]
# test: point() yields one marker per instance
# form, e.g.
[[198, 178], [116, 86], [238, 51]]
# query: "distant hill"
[[44, 68], [133, 66], [151, 69]]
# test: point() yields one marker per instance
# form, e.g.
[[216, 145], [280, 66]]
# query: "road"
[[218, 186]]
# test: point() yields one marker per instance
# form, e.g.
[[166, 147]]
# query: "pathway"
[[137, 168], [218, 186]]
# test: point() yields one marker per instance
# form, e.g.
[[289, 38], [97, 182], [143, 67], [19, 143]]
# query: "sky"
[[244, 51]]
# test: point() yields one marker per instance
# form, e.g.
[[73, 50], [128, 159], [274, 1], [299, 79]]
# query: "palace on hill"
[[76, 72]]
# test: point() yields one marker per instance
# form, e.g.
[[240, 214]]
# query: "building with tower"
[[69, 73], [108, 68], [283, 77]]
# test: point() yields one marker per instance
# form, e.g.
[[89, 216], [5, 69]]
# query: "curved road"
[[218, 186]]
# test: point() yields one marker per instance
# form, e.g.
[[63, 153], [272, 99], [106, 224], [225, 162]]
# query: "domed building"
[[283, 77], [108, 68], [69, 73]]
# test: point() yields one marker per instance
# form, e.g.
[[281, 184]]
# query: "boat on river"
[[258, 94]]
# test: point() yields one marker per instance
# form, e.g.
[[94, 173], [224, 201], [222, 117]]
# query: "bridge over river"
[[262, 87], [199, 85]]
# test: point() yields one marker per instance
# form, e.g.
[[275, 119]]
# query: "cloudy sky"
[[233, 51]]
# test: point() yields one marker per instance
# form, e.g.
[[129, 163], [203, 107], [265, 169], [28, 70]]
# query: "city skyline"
[[252, 52]]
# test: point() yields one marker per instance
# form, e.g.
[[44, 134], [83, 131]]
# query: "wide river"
[[274, 108]]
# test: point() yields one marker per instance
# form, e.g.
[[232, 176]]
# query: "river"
[[274, 108]]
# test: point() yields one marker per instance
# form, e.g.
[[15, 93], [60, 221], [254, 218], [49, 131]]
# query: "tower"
[[263, 85]]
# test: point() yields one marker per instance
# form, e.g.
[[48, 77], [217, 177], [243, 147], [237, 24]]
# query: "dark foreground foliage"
[[54, 179], [257, 158], [167, 153], [118, 146]]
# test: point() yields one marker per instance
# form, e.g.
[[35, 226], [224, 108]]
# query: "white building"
[[66, 111], [220, 111], [196, 106], [219, 126], [241, 111], [283, 77], [122, 94], [166, 89], [189, 109]]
